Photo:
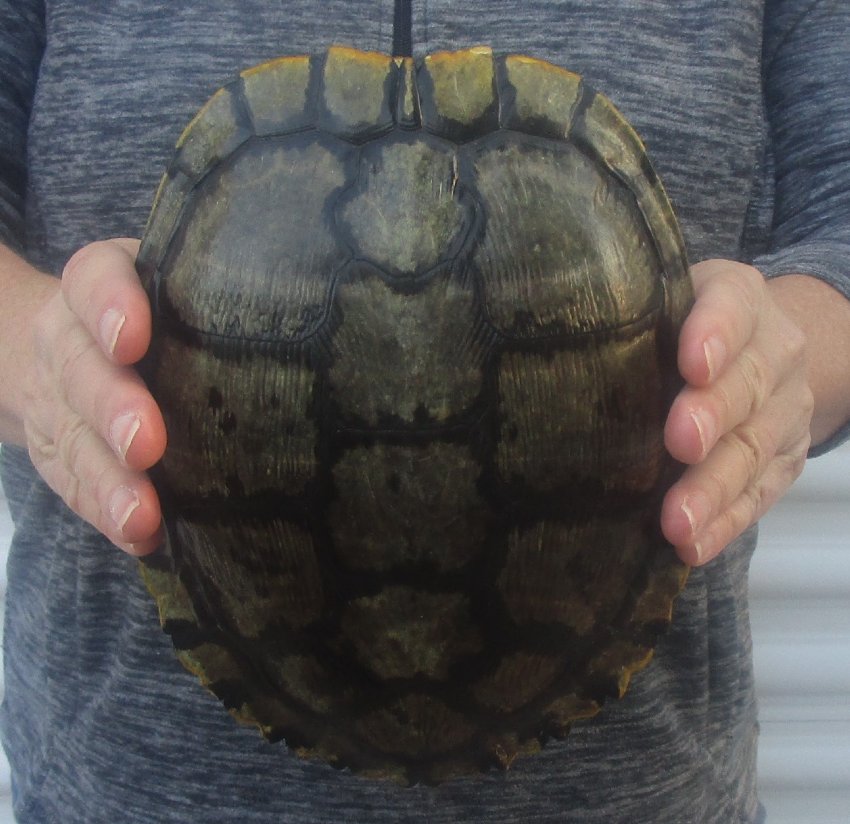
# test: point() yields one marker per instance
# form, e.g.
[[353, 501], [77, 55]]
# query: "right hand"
[[92, 428]]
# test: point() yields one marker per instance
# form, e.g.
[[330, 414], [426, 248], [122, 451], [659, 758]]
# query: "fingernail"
[[122, 431], [705, 429], [123, 503], [715, 355], [110, 328], [697, 509], [706, 547]]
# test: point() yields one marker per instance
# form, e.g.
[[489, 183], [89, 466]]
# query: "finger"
[[730, 484], [749, 506], [101, 287], [700, 416], [111, 399], [80, 468], [729, 297]]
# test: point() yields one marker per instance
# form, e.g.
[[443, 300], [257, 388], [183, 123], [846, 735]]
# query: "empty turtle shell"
[[415, 330]]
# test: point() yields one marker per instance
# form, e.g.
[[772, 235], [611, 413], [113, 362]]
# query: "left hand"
[[742, 421]]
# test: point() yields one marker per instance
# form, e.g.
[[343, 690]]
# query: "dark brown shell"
[[415, 328]]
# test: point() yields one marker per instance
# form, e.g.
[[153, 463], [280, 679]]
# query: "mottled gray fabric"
[[746, 114]]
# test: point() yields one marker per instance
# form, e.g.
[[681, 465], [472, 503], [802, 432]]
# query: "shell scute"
[[217, 131], [357, 94], [459, 97], [277, 95], [541, 99]]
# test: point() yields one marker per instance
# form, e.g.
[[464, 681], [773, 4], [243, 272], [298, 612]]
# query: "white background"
[[800, 589]]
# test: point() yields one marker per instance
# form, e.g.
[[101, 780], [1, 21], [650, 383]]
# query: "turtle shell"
[[415, 325]]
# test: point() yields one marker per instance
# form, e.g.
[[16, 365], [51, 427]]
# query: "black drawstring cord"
[[403, 29]]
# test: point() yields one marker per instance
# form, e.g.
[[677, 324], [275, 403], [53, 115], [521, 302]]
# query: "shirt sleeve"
[[806, 69], [21, 48]]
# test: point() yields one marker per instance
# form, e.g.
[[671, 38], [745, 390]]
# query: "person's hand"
[[92, 428], [742, 421]]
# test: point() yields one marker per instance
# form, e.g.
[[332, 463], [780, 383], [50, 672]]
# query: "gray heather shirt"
[[745, 107]]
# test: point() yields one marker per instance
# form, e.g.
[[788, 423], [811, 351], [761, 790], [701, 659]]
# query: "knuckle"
[[722, 403], [72, 494], [748, 452], [42, 449], [741, 514], [754, 447], [796, 463], [794, 343], [49, 458], [793, 459], [719, 482], [747, 509], [756, 377], [784, 471], [71, 365], [71, 439], [47, 328], [752, 501], [795, 339]]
